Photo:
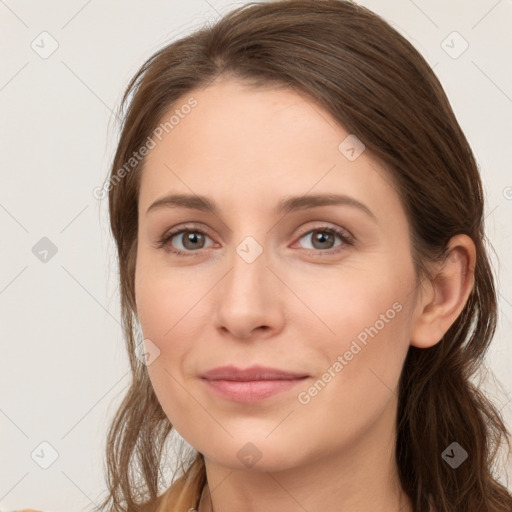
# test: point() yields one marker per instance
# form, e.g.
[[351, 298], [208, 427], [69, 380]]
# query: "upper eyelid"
[[325, 225], [301, 231]]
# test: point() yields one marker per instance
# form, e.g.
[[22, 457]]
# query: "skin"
[[294, 307]]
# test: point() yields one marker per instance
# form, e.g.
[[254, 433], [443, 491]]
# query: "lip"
[[252, 373], [251, 384], [250, 391]]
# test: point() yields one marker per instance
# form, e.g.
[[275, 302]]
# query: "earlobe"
[[446, 294]]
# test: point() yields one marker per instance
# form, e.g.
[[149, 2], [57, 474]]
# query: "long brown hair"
[[376, 85]]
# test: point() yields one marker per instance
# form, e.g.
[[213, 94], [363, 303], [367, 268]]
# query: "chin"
[[257, 453]]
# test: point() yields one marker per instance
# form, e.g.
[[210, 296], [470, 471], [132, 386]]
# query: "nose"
[[248, 298]]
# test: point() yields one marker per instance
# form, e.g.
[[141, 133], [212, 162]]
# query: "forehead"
[[247, 142], [233, 122]]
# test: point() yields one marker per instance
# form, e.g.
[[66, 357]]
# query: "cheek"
[[356, 303], [172, 315], [162, 312], [363, 358], [165, 299], [368, 314]]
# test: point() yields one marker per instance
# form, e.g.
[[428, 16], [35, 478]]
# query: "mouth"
[[255, 372], [251, 384], [251, 390]]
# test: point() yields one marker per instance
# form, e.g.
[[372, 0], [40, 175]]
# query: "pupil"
[[192, 238], [322, 237]]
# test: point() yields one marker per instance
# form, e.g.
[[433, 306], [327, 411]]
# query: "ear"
[[442, 299]]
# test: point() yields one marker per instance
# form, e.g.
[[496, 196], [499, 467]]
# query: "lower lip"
[[251, 391]]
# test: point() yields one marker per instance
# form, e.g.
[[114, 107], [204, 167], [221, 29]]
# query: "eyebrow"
[[287, 205]]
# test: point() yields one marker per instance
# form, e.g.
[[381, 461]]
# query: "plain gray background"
[[63, 369]]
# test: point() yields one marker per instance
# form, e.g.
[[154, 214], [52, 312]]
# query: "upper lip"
[[251, 373]]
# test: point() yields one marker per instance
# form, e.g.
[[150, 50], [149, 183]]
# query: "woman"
[[304, 377]]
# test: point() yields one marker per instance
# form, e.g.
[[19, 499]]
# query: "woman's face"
[[325, 291]]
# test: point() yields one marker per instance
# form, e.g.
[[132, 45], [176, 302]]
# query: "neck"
[[362, 477], [399, 503]]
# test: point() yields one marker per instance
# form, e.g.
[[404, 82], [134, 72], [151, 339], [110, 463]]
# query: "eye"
[[190, 238], [324, 237], [193, 239]]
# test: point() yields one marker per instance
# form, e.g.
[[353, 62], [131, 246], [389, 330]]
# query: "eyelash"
[[348, 240]]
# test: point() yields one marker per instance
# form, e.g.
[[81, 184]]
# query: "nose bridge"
[[248, 267], [246, 296]]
